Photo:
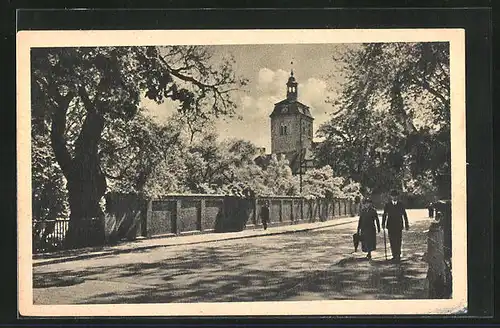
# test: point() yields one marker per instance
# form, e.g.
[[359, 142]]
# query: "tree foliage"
[[49, 200], [391, 122], [78, 93], [322, 183], [141, 156]]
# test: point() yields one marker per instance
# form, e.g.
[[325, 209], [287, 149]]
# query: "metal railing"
[[49, 235], [52, 235]]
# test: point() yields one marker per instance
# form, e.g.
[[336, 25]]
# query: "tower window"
[[283, 130]]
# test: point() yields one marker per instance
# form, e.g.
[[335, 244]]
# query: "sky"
[[267, 67]]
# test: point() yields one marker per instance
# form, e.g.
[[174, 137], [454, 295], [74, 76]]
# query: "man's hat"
[[394, 192]]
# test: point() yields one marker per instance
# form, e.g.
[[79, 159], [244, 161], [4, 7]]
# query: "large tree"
[[391, 122], [104, 85], [142, 155]]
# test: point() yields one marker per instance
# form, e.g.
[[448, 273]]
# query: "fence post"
[[318, 210], [302, 209], [149, 214], [178, 204], [281, 210], [255, 209], [321, 210], [292, 209], [311, 210], [202, 217], [270, 211]]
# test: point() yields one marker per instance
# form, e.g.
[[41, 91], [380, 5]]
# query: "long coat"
[[394, 215], [264, 214], [366, 225]]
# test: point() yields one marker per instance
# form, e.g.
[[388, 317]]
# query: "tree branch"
[[57, 134], [84, 96], [337, 132], [432, 91], [177, 73]]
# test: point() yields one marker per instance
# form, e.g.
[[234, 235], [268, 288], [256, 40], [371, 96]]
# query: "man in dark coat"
[[394, 214], [264, 214]]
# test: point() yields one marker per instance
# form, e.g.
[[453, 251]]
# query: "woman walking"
[[368, 218]]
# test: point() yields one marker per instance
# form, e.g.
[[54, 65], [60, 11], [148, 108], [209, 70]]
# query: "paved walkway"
[[315, 262], [143, 244]]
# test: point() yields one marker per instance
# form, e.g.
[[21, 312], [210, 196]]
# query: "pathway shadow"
[[351, 261], [293, 267]]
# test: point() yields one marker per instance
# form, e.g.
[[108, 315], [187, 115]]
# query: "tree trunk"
[[86, 183], [86, 186]]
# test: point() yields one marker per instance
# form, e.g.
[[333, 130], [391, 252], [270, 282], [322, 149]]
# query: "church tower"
[[291, 91], [291, 123]]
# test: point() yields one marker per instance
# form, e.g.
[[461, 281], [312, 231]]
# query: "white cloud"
[[265, 76], [271, 82], [314, 93], [161, 112], [256, 106], [247, 101]]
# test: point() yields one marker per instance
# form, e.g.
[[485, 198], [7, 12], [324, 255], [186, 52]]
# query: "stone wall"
[[129, 217], [439, 274], [178, 214]]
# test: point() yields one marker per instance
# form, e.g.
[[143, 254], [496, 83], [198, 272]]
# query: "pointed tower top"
[[291, 93], [291, 70]]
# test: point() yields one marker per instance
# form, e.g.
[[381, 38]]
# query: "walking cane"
[[385, 246]]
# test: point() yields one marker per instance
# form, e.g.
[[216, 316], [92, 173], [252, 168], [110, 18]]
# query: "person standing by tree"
[[430, 208], [366, 227], [394, 213], [264, 214]]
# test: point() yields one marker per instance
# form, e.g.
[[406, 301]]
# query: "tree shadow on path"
[[285, 268]]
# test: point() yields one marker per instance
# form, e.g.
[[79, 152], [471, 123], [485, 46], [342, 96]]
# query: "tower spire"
[[291, 86]]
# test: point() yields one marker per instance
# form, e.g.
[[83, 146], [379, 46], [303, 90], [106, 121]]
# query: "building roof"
[[290, 106], [293, 158]]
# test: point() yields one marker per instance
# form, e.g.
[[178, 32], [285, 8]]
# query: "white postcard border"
[[456, 37]]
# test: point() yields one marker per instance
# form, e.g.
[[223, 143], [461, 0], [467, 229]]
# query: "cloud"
[[160, 112], [265, 76], [314, 93], [271, 82], [256, 105], [270, 88]]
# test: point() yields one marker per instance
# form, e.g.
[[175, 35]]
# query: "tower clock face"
[[284, 110]]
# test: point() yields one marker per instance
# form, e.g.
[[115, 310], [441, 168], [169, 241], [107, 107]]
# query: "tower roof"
[[291, 79], [289, 106]]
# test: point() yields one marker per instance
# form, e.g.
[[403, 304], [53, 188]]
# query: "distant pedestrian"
[[264, 214], [430, 208], [368, 218], [394, 214]]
